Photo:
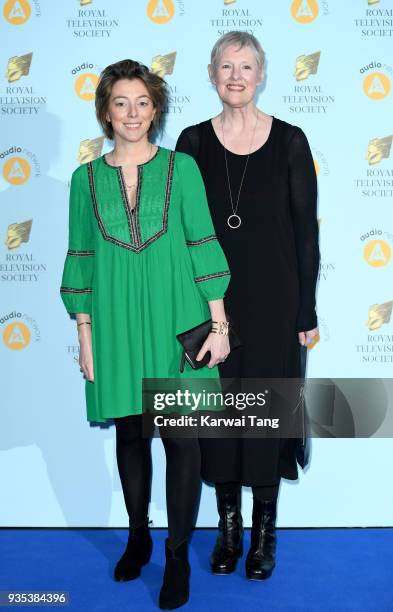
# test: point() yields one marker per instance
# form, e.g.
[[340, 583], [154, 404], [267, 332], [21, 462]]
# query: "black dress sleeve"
[[188, 142], [303, 204]]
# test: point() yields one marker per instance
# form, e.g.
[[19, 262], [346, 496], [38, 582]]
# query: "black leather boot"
[[136, 554], [260, 560], [175, 589], [229, 544]]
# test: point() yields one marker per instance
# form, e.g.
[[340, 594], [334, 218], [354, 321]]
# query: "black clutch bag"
[[193, 339]]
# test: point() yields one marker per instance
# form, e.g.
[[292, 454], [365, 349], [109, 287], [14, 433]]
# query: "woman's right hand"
[[86, 352]]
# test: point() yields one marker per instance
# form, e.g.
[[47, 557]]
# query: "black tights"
[[268, 493], [133, 453]]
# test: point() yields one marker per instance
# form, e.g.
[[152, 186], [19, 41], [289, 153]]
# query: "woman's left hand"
[[219, 348], [306, 337]]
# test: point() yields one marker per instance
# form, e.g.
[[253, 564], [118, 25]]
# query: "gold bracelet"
[[83, 323]]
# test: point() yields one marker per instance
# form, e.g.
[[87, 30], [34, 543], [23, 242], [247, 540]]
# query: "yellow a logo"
[[160, 11], [17, 12], [16, 336], [16, 170], [376, 85], [304, 11], [86, 85], [377, 253]]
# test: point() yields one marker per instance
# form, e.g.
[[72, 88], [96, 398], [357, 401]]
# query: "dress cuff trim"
[[201, 240], [72, 290], [80, 253], [201, 279]]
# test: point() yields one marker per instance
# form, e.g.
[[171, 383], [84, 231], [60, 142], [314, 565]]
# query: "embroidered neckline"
[[136, 245], [103, 157]]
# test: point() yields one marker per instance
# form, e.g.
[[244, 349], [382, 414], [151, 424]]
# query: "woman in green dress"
[[143, 265]]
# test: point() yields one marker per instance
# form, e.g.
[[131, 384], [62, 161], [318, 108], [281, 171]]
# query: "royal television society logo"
[[376, 80], [306, 65], [375, 21], [164, 65], [377, 250], [18, 12], [18, 263], [19, 165], [307, 11], [377, 178], [18, 67], [86, 77], [310, 97], [17, 233], [20, 98], [90, 149], [377, 345], [19, 330], [236, 16], [90, 20]]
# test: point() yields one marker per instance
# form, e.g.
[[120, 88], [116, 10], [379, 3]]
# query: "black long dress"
[[273, 257]]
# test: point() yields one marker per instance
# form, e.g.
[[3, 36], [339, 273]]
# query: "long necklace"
[[234, 220]]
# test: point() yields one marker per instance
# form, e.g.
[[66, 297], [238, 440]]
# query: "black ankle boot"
[[175, 589], [229, 543], [260, 560], [136, 554]]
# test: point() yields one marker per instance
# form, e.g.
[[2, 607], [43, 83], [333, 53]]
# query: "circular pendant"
[[234, 221]]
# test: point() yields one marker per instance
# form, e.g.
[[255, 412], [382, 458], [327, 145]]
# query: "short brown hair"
[[129, 69]]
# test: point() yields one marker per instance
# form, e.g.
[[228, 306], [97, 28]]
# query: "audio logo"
[[320, 163], [376, 85], [17, 12], [377, 253], [160, 11], [19, 330], [17, 336], [16, 170], [304, 11], [86, 85]]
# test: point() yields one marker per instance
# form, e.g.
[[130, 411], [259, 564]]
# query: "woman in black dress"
[[261, 186]]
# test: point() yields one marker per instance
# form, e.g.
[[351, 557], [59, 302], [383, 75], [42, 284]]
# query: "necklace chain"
[[234, 214], [116, 164]]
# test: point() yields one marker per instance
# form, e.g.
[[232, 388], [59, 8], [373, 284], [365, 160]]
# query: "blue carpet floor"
[[337, 570]]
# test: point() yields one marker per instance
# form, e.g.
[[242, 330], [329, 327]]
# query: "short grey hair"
[[240, 39]]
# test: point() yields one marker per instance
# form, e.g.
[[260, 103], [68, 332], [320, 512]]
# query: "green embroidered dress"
[[143, 275]]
